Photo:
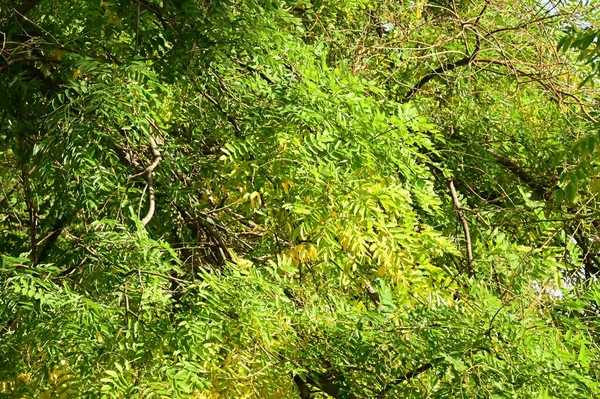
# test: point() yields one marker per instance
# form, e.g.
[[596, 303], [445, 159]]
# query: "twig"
[[372, 294], [166, 277], [218, 106], [70, 270], [127, 311], [32, 211], [25, 8], [538, 78], [406, 377], [149, 175], [137, 29], [208, 224], [465, 225]]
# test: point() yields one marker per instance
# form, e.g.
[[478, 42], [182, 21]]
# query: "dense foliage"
[[299, 199]]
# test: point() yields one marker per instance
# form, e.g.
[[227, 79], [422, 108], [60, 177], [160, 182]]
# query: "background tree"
[[307, 199]]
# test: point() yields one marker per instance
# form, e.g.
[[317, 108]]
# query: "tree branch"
[[51, 239], [516, 170], [450, 65], [437, 72]]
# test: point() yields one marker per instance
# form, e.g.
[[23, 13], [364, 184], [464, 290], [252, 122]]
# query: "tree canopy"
[[299, 199]]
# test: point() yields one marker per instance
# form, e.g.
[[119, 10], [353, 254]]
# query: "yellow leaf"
[[286, 184], [255, 200], [57, 54], [243, 262], [419, 9]]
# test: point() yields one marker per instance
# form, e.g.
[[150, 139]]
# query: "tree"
[[307, 199]]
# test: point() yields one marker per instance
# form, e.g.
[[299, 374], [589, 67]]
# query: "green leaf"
[[570, 190]]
